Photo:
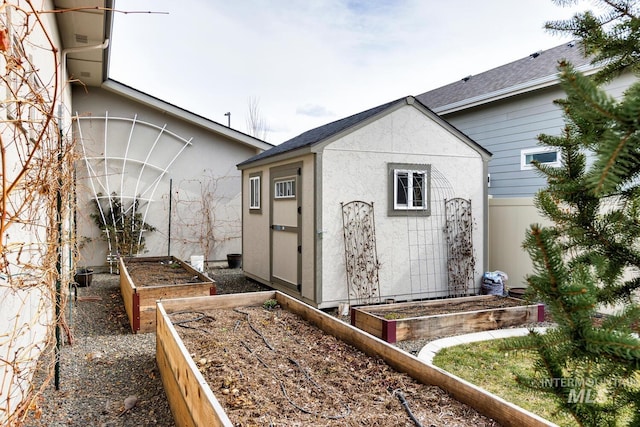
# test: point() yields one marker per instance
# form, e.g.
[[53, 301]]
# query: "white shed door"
[[285, 226]]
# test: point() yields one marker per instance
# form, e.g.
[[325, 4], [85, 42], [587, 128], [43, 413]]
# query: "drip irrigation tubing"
[[405, 404]]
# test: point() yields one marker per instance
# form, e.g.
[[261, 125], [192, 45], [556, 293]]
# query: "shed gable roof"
[[525, 74], [323, 133]]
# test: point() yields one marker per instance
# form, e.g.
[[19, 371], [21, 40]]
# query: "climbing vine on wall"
[[36, 161], [460, 254], [122, 225], [361, 256], [204, 215]]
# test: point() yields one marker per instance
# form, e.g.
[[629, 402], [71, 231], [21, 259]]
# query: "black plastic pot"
[[83, 277], [234, 260], [517, 292]]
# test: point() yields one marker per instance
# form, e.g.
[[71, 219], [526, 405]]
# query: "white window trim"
[[254, 192], [289, 191], [409, 206], [393, 209], [538, 150]]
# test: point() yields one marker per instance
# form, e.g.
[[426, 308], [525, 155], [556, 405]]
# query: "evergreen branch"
[[612, 164], [583, 260], [614, 344], [628, 321], [612, 293]]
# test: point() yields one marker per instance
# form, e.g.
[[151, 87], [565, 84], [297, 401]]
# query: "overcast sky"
[[310, 62]]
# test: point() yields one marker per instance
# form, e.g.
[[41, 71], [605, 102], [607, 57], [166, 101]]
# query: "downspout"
[[67, 51], [61, 109], [485, 213], [58, 333]]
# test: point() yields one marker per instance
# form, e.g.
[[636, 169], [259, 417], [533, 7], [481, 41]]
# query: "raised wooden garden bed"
[[238, 363], [452, 316], [145, 280]]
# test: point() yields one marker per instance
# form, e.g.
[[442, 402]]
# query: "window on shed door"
[[285, 189], [254, 193], [410, 186]]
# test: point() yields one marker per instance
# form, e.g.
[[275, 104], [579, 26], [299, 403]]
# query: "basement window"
[[544, 155]]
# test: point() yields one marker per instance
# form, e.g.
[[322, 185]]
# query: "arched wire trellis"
[[101, 185], [460, 260], [428, 251], [361, 258]]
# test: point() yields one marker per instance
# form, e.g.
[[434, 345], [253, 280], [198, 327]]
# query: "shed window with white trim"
[[409, 189], [544, 155], [254, 193], [285, 189]]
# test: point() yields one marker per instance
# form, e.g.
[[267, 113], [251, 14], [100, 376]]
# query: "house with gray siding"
[[504, 110]]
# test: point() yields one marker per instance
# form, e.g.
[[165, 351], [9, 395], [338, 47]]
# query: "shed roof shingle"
[[321, 133]]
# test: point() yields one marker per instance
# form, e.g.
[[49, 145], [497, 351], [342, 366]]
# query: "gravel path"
[[107, 363]]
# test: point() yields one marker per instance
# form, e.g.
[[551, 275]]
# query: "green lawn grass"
[[487, 366]]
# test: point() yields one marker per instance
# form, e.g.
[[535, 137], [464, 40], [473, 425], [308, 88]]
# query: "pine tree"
[[612, 37], [590, 256]]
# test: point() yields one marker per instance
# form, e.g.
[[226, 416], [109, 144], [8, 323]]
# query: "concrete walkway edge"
[[429, 351]]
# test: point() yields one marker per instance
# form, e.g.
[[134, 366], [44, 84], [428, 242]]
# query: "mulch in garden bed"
[[271, 367]]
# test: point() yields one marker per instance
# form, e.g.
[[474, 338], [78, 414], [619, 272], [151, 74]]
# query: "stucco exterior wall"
[[206, 187], [255, 228], [355, 168], [26, 291]]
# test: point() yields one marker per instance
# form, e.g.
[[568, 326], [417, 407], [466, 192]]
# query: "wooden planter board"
[[140, 301], [193, 403], [372, 319]]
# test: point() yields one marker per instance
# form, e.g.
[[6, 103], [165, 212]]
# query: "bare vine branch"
[[36, 164]]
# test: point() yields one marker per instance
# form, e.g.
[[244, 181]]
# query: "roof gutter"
[[108, 30]]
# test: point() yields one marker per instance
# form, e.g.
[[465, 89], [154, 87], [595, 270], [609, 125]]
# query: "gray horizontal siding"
[[507, 127], [511, 125]]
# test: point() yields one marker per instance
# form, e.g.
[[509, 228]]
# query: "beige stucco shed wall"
[[355, 168], [256, 247], [354, 165]]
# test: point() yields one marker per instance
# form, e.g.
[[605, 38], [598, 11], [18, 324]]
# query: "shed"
[[387, 204]]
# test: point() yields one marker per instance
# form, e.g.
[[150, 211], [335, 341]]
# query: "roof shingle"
[[533, 67], [321, 133]]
